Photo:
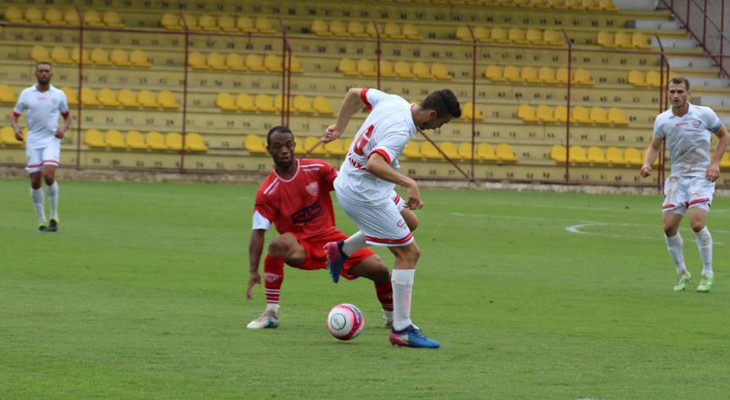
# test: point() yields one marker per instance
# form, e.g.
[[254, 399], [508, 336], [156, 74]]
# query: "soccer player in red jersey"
[[295, 198]]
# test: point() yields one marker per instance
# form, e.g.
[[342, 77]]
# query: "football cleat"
[[682, 279], [267, 320], [705, 284], [335, 259], [42, 227], [412, 337], [53, 225]]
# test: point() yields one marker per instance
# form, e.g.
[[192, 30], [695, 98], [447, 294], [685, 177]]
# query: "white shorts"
[[399, 202], [38, 158], [381, 224], [684, 192]]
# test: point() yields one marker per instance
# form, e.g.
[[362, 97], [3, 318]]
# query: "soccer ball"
[[345, 321]]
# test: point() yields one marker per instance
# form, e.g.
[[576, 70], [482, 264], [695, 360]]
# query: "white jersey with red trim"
[[688, 138], [43, 111], [386, 131]]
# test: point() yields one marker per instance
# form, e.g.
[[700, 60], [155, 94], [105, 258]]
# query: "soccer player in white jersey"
[[366, 180], [43, 144], [688, 129]]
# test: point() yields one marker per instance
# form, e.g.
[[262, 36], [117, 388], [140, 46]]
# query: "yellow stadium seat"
[[120, 58], [464, 151], [466, 112], [244, 102], [166, 99], [71, 17], [517, 35], [439, 71], [574, 4], [216, 61], [94, 138], [100, 56], [545, 114], [499, 35], [335, 148], [264, 103], [505, 153], [245, 24], [632, 156], [135, 140], [194, 142], [553, 37], [128, 98], [272, 63], [255, 62], [463, 33], [593, 5], [596, 156], [561, 75], [71, 95], [526, 113], [92, 18], [147, 99], [598, 115], [112, 19], [640, 41], [450, 150], [189, 20], [578, 155], [623, 40], [115, 139], [208, 23], [107, 97], [535, 36], [322, 106], [196, 60], [155, 141], [653, 79], [617, 117], [393, 31], [420, 70], [411, 150], [561, 114], [88, 97], [614, 156], [139, 58], [607, 5], [606, 39], [347, 67], [264, 25], [235, 62], [7, 136], [636, 78], [34, 15], [225, 102], [311, 145], [581, 115], [557, 4], [402, 69], [530, 75], [227, 23], [254, 144], [411, 32], [6, 94], [494, 73], [539, 3], [387, 69], [174, 141], [53, 16], [338, 28], [581, 76], [75, 55], [302, 104], [547, 75], [725, 161], [558, 154], [485, 152], [482, 34], [295, 65], [512, 74], [14, 14], [356, 29], [429, 151], [170, 21]]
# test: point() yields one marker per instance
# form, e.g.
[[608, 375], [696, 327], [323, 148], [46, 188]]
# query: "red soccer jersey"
[[302, 204]]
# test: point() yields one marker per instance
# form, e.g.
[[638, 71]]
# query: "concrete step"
[[648, 24], [675, 43], [690, 62], [700, 81]]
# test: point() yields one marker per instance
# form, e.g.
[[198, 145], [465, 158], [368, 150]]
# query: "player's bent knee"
[[279, 248]]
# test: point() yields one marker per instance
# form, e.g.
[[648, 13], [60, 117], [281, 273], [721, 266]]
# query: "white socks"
[[704, 245], [272, 307], [402, 280], [53, 199], [36, 196], [354, 243], [675, 245]]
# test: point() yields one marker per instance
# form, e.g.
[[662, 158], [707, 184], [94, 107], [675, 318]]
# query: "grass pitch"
[[141, 295]]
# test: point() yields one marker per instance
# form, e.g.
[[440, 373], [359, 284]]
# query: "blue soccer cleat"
[[335, 259], [412, 337]]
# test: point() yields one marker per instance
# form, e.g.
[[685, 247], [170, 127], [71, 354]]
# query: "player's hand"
[[713, 172], [331, 133], [60, 133], [19, 134], [645, 170], [254, 279], [414, 198]]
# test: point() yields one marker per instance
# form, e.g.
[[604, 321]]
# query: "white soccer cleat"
[[267, 320]]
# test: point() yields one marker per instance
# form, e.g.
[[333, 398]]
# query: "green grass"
[[141, 295]]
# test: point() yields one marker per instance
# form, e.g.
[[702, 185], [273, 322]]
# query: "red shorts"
[[317, 259]]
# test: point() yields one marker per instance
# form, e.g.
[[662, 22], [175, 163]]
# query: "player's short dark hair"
[[444, 102], [678, 80], [43, 63], [277, 129]]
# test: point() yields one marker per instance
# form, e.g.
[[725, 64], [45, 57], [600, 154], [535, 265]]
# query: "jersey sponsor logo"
[[695, 124], [313, 189], [363, 140], [306, 214]]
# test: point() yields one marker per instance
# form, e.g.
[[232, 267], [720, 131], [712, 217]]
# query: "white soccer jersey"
[[43, 111], [386, 131], [688, 138]]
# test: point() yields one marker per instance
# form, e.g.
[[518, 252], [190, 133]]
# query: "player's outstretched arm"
[[713, 171], [379, 167], [651, 155], [255, 248], [350, 105]]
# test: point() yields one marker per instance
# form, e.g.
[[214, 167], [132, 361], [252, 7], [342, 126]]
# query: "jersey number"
[[363, 140]]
